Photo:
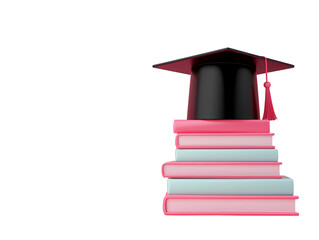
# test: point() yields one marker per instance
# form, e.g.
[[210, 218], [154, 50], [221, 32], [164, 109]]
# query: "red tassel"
[[269, 112]]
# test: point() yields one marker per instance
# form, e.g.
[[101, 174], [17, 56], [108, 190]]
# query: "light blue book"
[[280, 186], [226, 155]]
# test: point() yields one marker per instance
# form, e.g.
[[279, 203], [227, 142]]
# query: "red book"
[[221, 126], [221, 169], [224, 140], [271, 205]]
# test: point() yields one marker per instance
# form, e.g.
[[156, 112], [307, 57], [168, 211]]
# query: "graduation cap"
[[224, 84]]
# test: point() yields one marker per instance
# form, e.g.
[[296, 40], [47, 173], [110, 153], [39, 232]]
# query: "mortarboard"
[[224, 84]]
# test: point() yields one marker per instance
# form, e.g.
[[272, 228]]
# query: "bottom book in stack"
[[229, 205], [227, 188]]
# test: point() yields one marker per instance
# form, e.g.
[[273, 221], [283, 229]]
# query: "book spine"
[[226, 155], [282, 186], [221, 126], [235, 140], [229, 197], [232, 213], [245, 170]]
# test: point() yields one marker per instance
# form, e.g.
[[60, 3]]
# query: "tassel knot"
[[267, 84]]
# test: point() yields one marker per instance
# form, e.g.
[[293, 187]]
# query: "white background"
[[86, 122]]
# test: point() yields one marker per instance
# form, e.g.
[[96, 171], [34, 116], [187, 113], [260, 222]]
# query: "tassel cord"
[[269, 112]]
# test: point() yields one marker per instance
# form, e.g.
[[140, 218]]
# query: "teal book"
[[226, 155], [281, 186]]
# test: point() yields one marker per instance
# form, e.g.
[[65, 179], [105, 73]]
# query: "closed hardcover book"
[[281, 186], [221, 169], [221, 126], [226, 155], [224, 140], [229, 205]]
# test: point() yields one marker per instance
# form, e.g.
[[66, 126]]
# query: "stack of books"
[[226, 167]]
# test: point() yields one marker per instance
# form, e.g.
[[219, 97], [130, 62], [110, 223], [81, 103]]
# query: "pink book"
[[224, 140], [229, 205], [221, 126], [221, 169]]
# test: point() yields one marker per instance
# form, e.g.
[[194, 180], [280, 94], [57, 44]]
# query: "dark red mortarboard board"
[[185, 65], [223, 83]]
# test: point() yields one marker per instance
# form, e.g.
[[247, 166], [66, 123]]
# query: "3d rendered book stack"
[[226, 163], [226, 167]]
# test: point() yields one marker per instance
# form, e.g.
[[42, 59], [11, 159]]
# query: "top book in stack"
[[221, 126]]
